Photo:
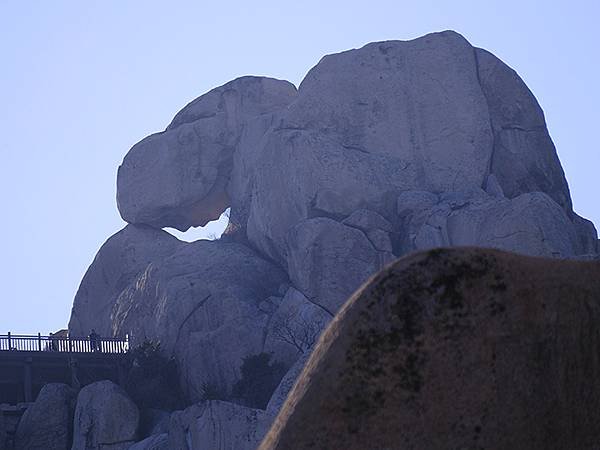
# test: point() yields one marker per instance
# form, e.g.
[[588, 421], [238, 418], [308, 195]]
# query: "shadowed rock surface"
[[105, 418], [48, 423], [455, 348]]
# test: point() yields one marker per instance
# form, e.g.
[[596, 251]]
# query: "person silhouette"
[[94, 341]]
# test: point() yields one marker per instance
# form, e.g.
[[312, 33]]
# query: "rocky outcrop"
[[178, 178], [217, 425], [524, 158], [105, 418], [47, 424], [384, 150], [531, 221], [458, 348], [155, 442], [205, 305], [118, 262]]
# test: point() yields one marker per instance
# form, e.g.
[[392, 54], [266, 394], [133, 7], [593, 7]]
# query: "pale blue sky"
[[82, 81]]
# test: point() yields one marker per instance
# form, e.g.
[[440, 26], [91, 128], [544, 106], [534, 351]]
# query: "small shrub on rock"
[[152, 379], [259, 379]]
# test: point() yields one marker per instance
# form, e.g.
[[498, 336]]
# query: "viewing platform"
[[28, 362]]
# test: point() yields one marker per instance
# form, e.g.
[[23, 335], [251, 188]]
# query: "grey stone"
[[154, 442], [367, 125], [366, 220], [117, 263], [204, 303], [47, 423], [524, 158], [105, 418], [224, 426], [178, 178], [587, 236], [180, 426], [294, 327], [383, 150], [327, 260], [218, 425]]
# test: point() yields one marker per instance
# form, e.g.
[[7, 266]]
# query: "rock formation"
[[395, 147], [105, 418], [457, 348], [48, 423]]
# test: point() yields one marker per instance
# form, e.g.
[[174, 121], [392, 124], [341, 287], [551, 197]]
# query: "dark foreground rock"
[[455, 348]]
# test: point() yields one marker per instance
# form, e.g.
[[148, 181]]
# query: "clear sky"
[[82, 81]]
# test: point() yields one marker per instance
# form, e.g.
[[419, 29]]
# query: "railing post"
[[70, 347], [39, 342], [9, 344]]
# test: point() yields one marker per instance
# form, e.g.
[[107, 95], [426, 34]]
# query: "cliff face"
[[384, 150]]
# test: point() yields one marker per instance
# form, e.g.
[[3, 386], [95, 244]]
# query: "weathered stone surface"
[[368, 123], [524, 158], [286, 384], [117, 263], [218, 425], [327, 260], [178, 178], [105, 418], [47, 424], [180, 426], [383, 150], [154, 442], [455, 348], [294, 327], [531, 223], [224, 426], [203, 304]]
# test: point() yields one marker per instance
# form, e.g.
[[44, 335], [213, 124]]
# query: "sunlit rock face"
[[178, 178], [119, 261], [455, 348], [382, 151], [209, 304]]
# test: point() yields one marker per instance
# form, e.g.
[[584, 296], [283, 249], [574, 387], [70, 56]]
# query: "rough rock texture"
[[457, 348], [178, 178], [117, 263], [47, 424], [217, 425], [286, 384], [155, 442], [524, 158], [384, 150], [530, 221], [105, 418], [204, 305], [294, 327]]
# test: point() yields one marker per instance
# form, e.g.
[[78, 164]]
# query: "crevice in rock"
[[191, 313], [490, 168]]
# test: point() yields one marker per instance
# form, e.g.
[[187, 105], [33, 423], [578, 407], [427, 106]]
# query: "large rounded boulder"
[[455, 348]]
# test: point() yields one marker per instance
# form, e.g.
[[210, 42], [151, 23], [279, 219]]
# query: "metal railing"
[[39, 343]]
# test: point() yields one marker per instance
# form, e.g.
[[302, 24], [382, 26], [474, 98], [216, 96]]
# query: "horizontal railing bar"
[[64, 344]]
